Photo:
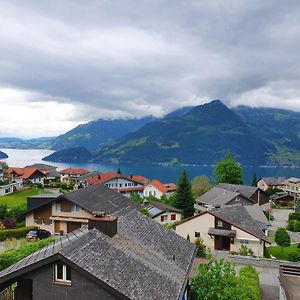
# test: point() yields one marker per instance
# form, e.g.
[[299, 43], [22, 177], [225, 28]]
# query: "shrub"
[[15, 233], [297, 226], [290, 225], [245, 251], [294, 216], [10, 257], [9, 223], [267, 253], [201, 248], [248, 282], [294, 256]]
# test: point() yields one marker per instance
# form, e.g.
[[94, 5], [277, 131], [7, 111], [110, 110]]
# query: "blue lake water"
[[22, 158]]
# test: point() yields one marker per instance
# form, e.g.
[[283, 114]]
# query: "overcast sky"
[[63, 63]]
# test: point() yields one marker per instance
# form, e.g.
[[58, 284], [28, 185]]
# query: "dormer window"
[[62, 273]]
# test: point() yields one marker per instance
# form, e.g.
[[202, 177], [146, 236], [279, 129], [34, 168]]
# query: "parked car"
[[37, 234]]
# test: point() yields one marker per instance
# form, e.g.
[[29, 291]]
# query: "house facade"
[[157, 189], [292, 187], [226, 228], [72, 174], [27, 175], [2, 169]]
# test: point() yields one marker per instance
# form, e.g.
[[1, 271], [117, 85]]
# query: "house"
[[93, 174], [171, 187], [157, 189], [283, 199], [2, 170], [289, 279], [10, 188], [253, 193], [26, 175], [162, 213], [266, 183], [218, 197], [226, 228], [118, 182], [46, 169], [292, 187], [72, 174], [118, 254]]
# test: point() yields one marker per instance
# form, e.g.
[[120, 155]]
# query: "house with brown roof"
[[226, 228], [275, 182], [26, 175], [118, 254], [157, 189], [72, 174]]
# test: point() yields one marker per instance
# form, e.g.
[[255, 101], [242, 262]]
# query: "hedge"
[[294, 216], [290, 225], [297, 226], [294, 256], [15, 233], [10, 257], [249, 283]]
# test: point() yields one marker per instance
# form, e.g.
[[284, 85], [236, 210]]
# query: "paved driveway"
[[281, 217]]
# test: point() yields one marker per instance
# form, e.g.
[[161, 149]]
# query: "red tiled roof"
[[2, 163], [92, 180], [157, 184], [171, 187], [141, 179], [24, 173], [71, 171], [18, 171]]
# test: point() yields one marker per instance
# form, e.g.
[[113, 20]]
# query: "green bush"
[[297, 226], [267, 253], [290, 225], [201, 248], [294, 216], [10, 257], [293, 257], [15, 233], [248, 282]]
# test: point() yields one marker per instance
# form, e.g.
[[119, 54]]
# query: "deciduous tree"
[[282, 238], [200, 185]]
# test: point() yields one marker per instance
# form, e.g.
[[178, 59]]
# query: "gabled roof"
[[158, 185], [74, 171], [93, 174], [274, 180], [42, 167], [156, 208], [143, 261], [25, 173], [170, 186], [245, 190], [18, 171], [281, 195], [258, 215], [141, 179], [293, 180], [217, 196]]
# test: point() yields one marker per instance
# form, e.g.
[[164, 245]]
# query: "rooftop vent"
[[106, 224]]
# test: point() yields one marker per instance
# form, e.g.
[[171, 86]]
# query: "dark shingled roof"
[[245, 190], [239, 216], [143, 261], [217, 196], [93, 174], [274, 180], [156, 208]]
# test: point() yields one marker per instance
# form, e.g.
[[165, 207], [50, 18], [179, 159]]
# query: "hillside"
[[3, 155], [201, 136], [279, 127], [78, 154]]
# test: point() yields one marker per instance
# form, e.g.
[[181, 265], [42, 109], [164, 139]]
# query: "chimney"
[[99, 177], [105, 224], [131, 175]]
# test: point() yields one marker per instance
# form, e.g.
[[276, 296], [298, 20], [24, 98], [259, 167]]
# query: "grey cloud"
[[124, 58]]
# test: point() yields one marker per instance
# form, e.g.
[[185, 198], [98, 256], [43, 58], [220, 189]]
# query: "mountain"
[[278, 127], [3, 155], [201, 136], [78, 154], [16, 143]]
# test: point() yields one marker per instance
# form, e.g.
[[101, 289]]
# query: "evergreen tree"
[[254, 179], [228, 170], [184, 199]]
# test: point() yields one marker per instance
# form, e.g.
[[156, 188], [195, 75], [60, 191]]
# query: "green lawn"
[[20, 198], [271, 239], [276, 251]]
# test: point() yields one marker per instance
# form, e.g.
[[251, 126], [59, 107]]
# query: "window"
[[75, 208], [243, 241], [197, 234], [121, 184], [219, 223], [163, 218], [58, 207], [173, 217], [62, 273], [125, 184]]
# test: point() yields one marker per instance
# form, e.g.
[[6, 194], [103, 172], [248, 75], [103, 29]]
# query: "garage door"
[[71, 226]]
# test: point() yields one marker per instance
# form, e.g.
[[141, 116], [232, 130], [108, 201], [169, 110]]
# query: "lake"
[[22, 158]]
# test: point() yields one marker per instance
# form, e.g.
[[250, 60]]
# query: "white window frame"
[[64, 280], [75, 208], [58, 207]]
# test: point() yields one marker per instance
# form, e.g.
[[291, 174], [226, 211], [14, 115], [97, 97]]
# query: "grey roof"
[[98, 197], [274, 180], [53, 174], [245, 190], [239, 216], [156, 208], [221, 232], [257, 214], [281, 195], [217, 196], [293, 180], [143, 261], [93, 174]]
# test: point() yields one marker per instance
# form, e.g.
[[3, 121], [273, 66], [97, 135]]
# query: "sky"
[[63, 63]]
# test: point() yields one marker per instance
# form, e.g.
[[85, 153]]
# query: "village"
[[256, 225]]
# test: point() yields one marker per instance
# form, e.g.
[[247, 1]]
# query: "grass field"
[[276, 251], [20, 198]]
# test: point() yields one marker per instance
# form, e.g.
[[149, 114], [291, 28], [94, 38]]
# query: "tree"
[[254, 179], [282, 238], [201, 248], [119, 171], [216, 280], [228, 170], [184, 199], [200, 185]]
